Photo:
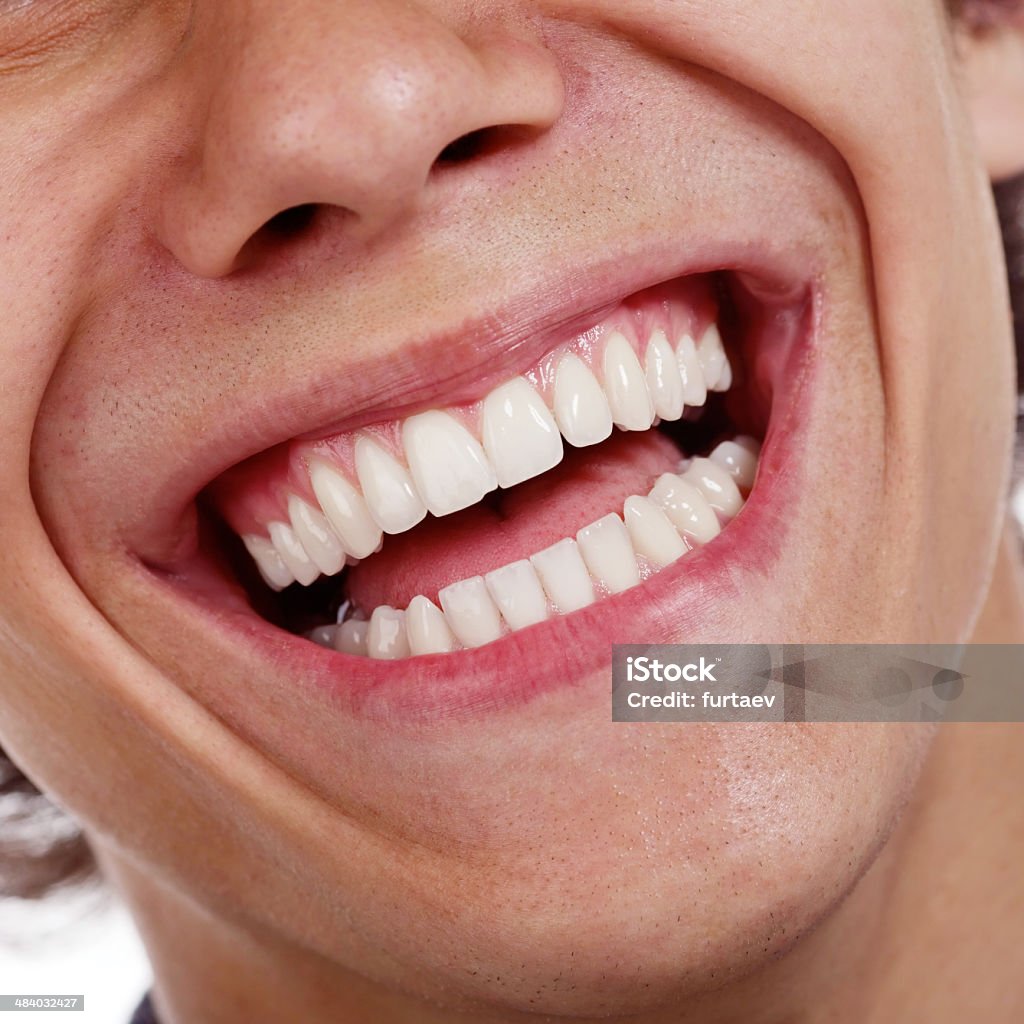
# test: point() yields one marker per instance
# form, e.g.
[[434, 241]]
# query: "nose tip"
[[353, 113]]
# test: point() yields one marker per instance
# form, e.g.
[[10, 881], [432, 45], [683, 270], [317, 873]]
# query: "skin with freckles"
[[231, 224]]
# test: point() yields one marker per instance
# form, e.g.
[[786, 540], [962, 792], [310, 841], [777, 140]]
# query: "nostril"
[[481, 143], [298, 224], [291, 222], [464, 148], [280, 234]]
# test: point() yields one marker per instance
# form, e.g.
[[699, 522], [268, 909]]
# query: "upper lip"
[[450, 362]]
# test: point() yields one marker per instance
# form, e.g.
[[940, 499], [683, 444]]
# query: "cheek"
[[958, 427]]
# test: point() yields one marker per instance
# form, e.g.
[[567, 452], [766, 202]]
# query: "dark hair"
[[42, 849]]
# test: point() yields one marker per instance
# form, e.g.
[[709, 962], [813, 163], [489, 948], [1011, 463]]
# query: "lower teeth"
[[682, 512]]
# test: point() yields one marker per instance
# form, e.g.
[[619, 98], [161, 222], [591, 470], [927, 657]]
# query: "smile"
[[625, 449]]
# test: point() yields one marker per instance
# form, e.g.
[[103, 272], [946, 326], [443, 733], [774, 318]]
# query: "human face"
[[165, 323]]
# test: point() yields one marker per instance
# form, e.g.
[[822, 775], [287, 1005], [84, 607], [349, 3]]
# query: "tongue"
[[510, 525]]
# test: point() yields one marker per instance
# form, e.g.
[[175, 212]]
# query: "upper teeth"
[[581, 408], [520, 436], [447, 460], [391, 496], [630, 400]]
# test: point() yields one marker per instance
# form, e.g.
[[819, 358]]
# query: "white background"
[[72, 947]]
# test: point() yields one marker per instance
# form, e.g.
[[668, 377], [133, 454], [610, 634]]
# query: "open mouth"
[[629, 447]]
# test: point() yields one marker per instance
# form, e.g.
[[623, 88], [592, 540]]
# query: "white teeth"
[[713, 361], [687, 507], [652, 532], [271, 565], [660, 529], [446, 469], [680, 513], [351, 637], [609, 555], [695, 392], [345, 509], [288, 546], [740, 462], [386, 638], [387, 487], [564, 575], [323, 636], [315, 533], [626, 386], [581, 407], [520, 436], [724, 381], [518, 594], [663, 379], [470, 612], [448, 466], [716, 484], [427, 628]]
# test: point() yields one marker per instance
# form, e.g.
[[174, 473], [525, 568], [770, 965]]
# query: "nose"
[[345, 104]]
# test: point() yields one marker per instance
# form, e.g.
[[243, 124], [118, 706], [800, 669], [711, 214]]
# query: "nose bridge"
[[346, 103]]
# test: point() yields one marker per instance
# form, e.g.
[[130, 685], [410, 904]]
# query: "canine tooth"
[[427, 628], [750, 443], [625, 385], [323, 635], [386, 638], [564, 576], [448, 465], [740, 462], [471, 613], [652, 532], [663, 378], [717, 485], [518, 594], [290, 548], [609, 555], [687, 507], [387, 487], [695, 391], [271, 565], [581, 407], [520, 436], [317, 537], [712, 358], [351, 637], [724, 381], [345, 509]]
